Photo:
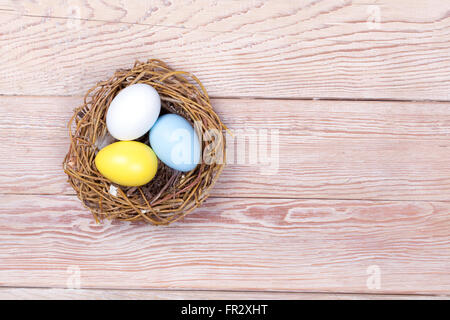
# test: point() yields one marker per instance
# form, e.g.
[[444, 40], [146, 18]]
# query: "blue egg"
[[175, 142]]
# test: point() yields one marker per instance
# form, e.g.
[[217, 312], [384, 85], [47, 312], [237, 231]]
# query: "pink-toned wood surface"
[[102, 294], [327, 149], [363, 177], [256, 48], [231, 244]]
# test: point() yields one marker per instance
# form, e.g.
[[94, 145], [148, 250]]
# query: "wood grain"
[[327, 149], [284, 235], [99, 294], [281, 17], [231, 244], [275, 49]]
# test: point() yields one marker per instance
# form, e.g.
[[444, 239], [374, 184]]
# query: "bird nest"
[[171, 194]]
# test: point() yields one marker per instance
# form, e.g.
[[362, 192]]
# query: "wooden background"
[[359, 91]]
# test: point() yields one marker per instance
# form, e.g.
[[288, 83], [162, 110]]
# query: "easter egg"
[[133, 111], [128, 163], [175, 142]]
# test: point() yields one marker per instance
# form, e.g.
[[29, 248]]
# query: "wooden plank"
[[318, 49], [327, 149], [231, 244], [99, 294], [283, 17]]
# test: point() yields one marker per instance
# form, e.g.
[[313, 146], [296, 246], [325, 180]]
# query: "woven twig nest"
[[171, 194]]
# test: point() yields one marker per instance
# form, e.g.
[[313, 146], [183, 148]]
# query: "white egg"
[[133, 111]]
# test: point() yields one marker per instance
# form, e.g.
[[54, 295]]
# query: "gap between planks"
[[263, 98], [261, 198], [157, 294]]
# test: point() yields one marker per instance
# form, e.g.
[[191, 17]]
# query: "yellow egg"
[[128, 163]]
